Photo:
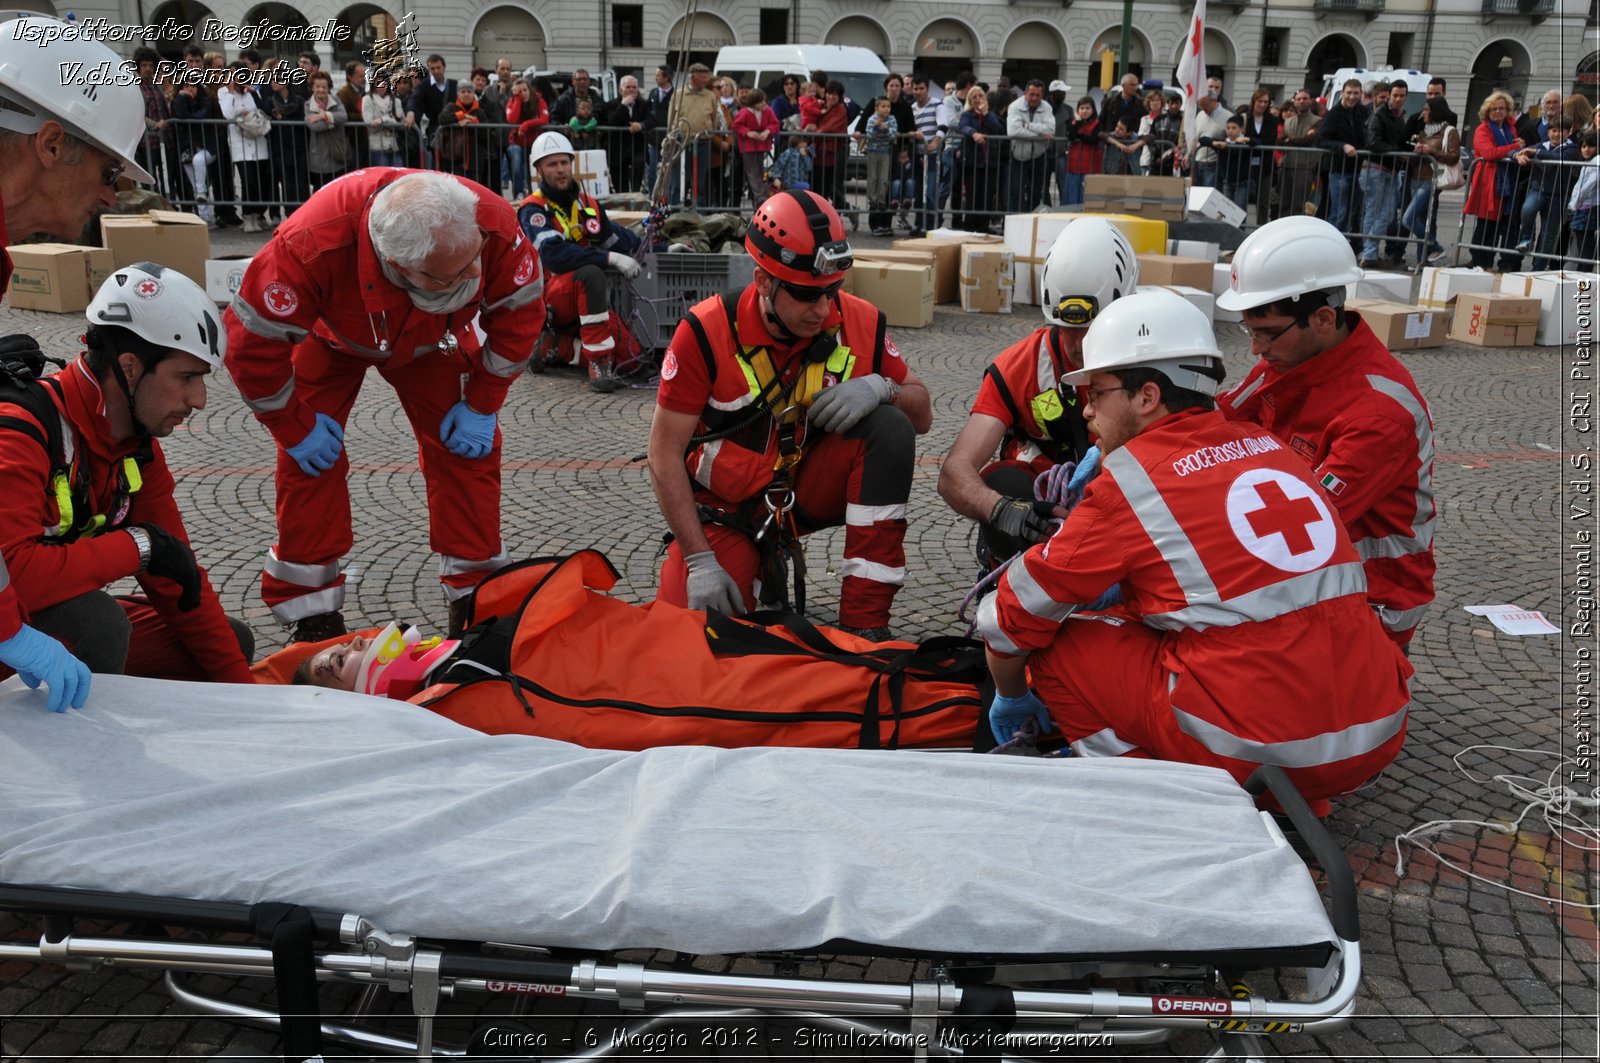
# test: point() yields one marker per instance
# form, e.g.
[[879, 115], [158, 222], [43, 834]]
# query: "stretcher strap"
[[294, 969], [986, 1013]]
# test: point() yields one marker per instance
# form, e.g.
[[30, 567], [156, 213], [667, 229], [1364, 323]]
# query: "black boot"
[[460, 610], [319, 627]]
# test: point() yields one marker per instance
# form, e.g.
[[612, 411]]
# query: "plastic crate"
[[675, 281]]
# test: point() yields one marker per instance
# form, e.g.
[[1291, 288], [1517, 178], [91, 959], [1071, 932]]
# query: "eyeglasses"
[[476, 255], [112, 174], [802, 294], [1095, 393], [1269, 338]]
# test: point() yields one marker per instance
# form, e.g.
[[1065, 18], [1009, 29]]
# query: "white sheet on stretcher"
[[355, 804]]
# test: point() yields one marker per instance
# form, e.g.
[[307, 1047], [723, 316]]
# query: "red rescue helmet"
[[798, 237]]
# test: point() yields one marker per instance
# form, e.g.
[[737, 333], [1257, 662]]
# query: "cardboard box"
[[1495, 310], [593, 171], [946, 252], [1031, 236], [1558, 292], [1221, 281], [1400, 326], [60, 278], [910, 258], [986, 278], [1145, 197], [1489, 335], [1190, 249], [224, 275], [1380, 286], [903, 292], [1211, 203], [1146, 235], [168, 238], [1173, 270], [628, 219], [1441, 285], [1204, 300]]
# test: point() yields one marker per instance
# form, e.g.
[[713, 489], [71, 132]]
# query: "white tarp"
[[354, 804]]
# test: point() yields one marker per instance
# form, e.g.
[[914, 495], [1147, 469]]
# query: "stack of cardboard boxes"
[[62, 278]]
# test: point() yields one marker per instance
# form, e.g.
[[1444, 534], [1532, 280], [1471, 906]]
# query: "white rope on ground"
[[1560, 805]]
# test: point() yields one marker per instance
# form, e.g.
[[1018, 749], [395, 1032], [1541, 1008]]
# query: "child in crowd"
[[1085, 153], [756, 126], [879, 145], [1584, 205], [1549, 185], [1120, 147], [793, 168], [581, 126], [1233, 162]]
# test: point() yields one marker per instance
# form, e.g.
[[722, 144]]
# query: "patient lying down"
[[397, 662]]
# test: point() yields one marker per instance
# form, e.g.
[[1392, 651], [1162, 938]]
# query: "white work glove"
[[626, 265], [679, 248], [710, 586], [839, 408]]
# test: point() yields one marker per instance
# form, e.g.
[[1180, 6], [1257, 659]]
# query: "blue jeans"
[[516, 162], [1238, 191], [1378, 189], [1061, 179], [387, 158], [937, 185], [1415, 218], [1074, 189], [1205, 175], [1339, 199]]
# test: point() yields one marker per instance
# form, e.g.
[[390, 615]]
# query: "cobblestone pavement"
[[1456, 965]]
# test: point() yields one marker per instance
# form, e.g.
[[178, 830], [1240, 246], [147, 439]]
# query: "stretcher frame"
[[968, 1007]]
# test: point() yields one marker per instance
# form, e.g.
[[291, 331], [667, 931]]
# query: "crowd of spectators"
[[1363, 160]]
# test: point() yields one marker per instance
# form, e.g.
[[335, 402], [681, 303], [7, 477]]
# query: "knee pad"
[[246, 637], [887, 433], [596, 288]]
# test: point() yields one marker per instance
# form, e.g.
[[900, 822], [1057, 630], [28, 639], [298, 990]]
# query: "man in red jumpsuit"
[[55, 173], [1329, 389], [427, 278], [786, 408], [1245, 637], [576, 243], [89, 497], [1023, 408]]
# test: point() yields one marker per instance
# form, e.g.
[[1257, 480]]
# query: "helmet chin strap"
[[140, 432], [774, 322]]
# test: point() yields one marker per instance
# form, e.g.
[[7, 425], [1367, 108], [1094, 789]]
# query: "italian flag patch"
[[1332, 484]]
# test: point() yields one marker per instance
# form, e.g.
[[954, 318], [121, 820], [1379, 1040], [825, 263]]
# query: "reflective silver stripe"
[[1234, 399], [593, 319], [1162, 527], [859, 516], [609, 343], [1400, 619], [708, 459], [864, 569], [455, 566], [1103, 743], [1045, 369], [1027, 452], [548, 234], [1422, 523], [1265, 603], [534, 289], [274, 402], [988, 628], [329, 600], [1031, 596], [1397, 545], [502, 366], [1329, 748], [261, 326], [5, 577], [736, 404], [298, 574]]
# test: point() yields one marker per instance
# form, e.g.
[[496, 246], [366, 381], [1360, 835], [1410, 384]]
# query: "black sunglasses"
[[802, 294]]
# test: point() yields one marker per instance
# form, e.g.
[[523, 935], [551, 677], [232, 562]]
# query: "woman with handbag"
[[328, 153], [1438, 170], [248, 143], [385, 114], [1493, 178]]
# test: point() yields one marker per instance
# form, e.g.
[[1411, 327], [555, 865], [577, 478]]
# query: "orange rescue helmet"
[[798, 237]]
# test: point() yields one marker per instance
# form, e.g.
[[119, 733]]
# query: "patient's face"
[[336, 666]]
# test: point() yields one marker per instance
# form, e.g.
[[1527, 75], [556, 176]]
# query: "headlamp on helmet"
[[1076, 311]]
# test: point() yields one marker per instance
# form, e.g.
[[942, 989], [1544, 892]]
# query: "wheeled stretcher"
[[369, 841]]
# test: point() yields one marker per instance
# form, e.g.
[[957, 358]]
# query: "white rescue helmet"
[[549, 143], [1287, 258], [34, 54], [1090, 265], [1154, 329], [163, 307]]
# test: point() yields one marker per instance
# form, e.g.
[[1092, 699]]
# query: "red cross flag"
[[1192, 71]]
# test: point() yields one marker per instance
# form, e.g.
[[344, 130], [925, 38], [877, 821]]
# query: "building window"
[[1400, 45], [774, 25], [627, 25], [1274, 42]]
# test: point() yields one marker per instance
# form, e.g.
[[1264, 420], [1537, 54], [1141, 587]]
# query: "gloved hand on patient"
[[1006, 715]]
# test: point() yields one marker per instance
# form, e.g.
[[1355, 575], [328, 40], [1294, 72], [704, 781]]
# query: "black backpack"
[[23, 383]]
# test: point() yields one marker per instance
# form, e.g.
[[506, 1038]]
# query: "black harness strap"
[[294, 970]]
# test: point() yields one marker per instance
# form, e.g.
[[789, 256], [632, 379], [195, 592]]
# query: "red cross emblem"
[[148, 288], [280, 299], [1282, 520]]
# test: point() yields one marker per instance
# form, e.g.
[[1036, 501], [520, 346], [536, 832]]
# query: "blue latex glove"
[[1112, 596], [321, 447], [467, 433], [1006, 715], [38, 658], [1086, 470]]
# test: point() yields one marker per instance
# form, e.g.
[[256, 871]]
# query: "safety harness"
[[777, 411], [580, 225], [23, 384], [1055, 409]]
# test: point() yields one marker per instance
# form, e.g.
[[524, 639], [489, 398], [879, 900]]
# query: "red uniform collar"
[[1331, 363]]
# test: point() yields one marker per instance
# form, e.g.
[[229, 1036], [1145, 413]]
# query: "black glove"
[[1022, 518], [171, 558]]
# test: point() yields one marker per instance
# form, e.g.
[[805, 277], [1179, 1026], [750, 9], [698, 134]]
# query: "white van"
[[1416, 83], [763, 66]]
